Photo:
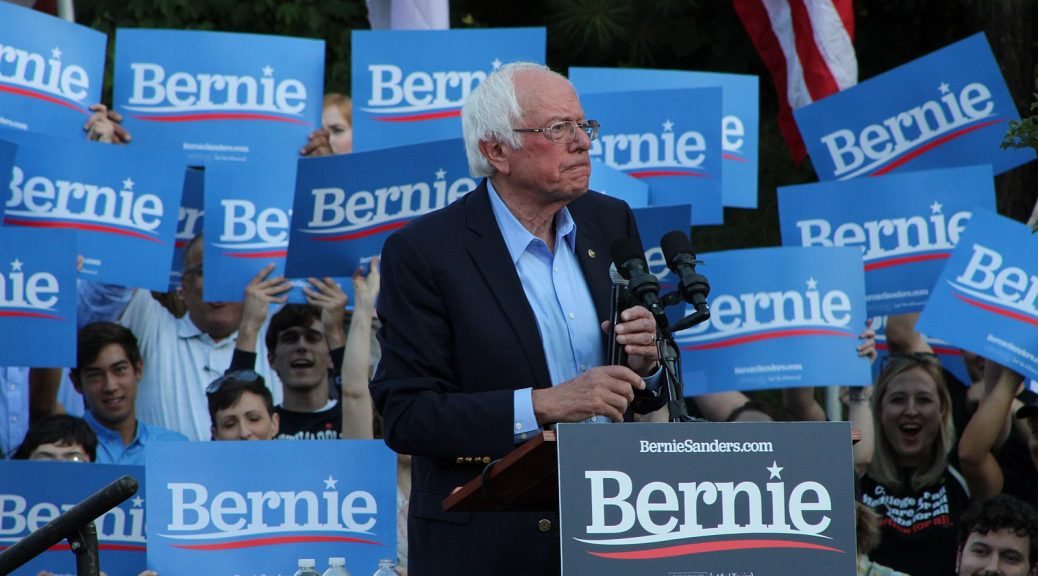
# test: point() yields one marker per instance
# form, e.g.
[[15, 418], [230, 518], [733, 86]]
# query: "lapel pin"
[[590, 252]]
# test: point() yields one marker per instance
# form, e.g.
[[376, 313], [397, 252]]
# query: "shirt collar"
[[105, 433], [517, 237]]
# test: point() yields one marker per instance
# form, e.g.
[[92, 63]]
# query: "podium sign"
[[706, 498]]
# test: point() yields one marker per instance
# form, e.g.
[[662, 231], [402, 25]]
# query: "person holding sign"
[[491, 311]]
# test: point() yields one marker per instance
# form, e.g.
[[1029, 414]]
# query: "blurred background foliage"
[[701, 35]]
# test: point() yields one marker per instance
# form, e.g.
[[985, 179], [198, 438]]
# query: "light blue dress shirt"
[[110, 447]]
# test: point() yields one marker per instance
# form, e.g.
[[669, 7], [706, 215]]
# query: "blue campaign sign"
[[906, 225], [780, 317], [740, 126], [653, 223], [121, 200], [37, 297], [218, 505], [612, 182], [189, 220], [346, 206], [409, 85], [50, 71], [950, 357], [986, 300], [673, 144], [219, 96], [250, 209], [34, 493], [948, 108]]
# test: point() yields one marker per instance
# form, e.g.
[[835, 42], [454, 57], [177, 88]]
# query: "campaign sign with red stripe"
[[409, 85], [706, 498], [37, 297], [780, 317], [346, 206], [34, 493], [986, 300], [50, 71], [250, 209], [948, 108], [739, 124], [906, 225], [672, 143], [256, 507], [218, 95], [189, 219], [121, 200]]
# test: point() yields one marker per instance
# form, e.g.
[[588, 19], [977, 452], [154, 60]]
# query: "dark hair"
[[290, 316], [1002, 512], [94, 337], [231, 390], [60, 429], [757, 406]]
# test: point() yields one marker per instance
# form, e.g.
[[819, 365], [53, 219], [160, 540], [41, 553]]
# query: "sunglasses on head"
[[246, 376]]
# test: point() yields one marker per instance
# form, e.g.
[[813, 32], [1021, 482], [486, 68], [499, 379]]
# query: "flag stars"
[[268, 71], [330, 482], [16, 266], [441, 174], [668, 126], [55, 53], [812, 284], [138, 502], [943, 87], [496, 63], [128, 184], [936, 207], [775, 470]]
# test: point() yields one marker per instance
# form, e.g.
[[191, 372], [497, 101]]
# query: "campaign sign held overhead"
[[986, 301], [673, 144], [409, 85], [346, 206], [256, 507], [780, 317], [948, 108], [218, 95], [37, 297], [50, 71], [703, 499], [121, 200], [189, 220], [34, 493], [906, 224], [612, 182], [740, 125]]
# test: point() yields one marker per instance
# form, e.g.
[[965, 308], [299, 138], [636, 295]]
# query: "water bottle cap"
[[337, 561], [386, 563], [307, 563]]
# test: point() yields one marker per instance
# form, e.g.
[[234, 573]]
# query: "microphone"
[[693, 287], [619, 301], [629, 258]]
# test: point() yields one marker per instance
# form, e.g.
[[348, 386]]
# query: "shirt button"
[[518, 425], [544, 524], [572, 315], [594, 418]]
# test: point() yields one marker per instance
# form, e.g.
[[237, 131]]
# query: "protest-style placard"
[[673, 144], [222, 506], [615, 183], [219, 96], [906, 225], [34, 493], [409, 86], [122, 201], [346, 206], [740, 126], [780, 317], [51, 71], [986, 300], [702, 498], [189, 220], [948, 108]]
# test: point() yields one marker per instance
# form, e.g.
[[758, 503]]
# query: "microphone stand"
[[670, 356]]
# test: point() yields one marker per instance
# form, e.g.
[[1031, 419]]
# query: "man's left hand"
[[637, 334], [327, 295]]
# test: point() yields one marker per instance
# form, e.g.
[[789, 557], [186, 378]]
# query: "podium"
[[525, 479]]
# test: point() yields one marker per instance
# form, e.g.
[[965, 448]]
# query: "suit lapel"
[[594, 261]]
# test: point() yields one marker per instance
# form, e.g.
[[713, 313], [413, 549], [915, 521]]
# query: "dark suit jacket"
[[458, 338]]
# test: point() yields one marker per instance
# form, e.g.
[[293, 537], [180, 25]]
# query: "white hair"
[[490, 113]]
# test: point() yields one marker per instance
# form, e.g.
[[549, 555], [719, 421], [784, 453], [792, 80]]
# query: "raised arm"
[[982, 471], [357, 410]]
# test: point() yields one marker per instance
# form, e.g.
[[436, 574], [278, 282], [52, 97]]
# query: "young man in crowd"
[[107, 373], [998, 536]]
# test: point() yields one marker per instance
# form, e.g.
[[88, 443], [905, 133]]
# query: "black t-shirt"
[[321, 425]]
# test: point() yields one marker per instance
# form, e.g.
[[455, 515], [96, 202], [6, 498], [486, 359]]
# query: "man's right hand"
[[601, 391], [260, 293]]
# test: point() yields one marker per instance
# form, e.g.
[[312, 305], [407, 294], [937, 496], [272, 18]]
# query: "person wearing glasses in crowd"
[[492, 311], [324, 373], [59, 437]]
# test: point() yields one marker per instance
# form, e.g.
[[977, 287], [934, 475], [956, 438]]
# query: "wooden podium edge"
[[525, 479]]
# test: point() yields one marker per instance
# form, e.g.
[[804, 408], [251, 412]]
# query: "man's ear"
[[496, 154]]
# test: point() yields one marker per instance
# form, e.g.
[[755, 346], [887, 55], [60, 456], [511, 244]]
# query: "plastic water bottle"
[[336, 567], [307, 567], [386, 567]]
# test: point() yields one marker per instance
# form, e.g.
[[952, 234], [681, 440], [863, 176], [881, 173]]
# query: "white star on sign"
[[128, 184], [329, 483], [16, 266], [943, 87], [935, 208], [137, 501], [55, 53], [496, 63], [441, 174], [775, 470], [268, 71], [812, 283], [668, 126]]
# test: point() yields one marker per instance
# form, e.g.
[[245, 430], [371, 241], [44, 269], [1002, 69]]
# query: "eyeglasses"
[[246, 376], [917, 357], [565, 131]]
